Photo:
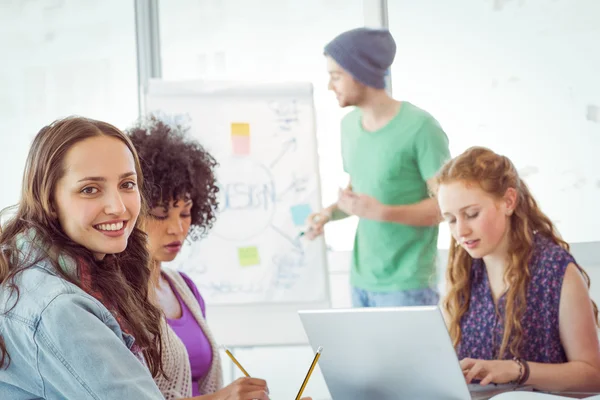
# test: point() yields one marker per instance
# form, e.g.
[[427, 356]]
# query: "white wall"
[[520, 77]]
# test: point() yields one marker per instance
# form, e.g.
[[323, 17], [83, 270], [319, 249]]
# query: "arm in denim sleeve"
[[81, 354]]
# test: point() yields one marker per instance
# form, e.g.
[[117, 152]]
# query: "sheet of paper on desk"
[[479, 392], [535, 396]]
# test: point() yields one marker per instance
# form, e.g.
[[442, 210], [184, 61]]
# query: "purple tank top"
[[481, 327], [187, 329]]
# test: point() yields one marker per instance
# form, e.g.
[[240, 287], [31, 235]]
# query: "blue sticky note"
[[300, 213]]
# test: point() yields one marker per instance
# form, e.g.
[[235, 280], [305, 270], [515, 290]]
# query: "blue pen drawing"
[[287, 146], [196, 267], [244, 196], [227, 287], [295, 242], [288, 269], [298, 185], [286, 114], [247, 198]]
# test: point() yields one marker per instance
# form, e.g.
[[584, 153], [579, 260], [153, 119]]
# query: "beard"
[[353, 99]]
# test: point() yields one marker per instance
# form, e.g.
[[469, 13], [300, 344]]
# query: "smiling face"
[[167, 228], [347, 90], [97, 200], [478, 221]]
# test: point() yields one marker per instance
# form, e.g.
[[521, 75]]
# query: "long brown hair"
[[495, 174], [122, 278]]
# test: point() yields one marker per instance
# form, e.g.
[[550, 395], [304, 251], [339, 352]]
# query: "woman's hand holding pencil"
[[246, 388], [241, 389]]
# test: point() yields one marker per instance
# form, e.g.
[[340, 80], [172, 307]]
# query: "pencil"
[[310, 370], [235, 361]]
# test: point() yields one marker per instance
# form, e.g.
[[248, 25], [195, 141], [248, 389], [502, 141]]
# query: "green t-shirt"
[[393, 165]]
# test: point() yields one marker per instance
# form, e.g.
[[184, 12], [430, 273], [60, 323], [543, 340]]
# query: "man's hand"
[[361, 205], [316, 223]]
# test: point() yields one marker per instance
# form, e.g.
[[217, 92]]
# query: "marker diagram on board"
[[255, 190], [264, 142]]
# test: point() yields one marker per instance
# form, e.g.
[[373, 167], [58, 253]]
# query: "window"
[[518, 77], [267, 40], [62, 58]]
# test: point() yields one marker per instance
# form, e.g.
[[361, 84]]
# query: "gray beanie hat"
[[365, 53]]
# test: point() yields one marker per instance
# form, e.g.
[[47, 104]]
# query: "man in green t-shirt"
[[391, 150]]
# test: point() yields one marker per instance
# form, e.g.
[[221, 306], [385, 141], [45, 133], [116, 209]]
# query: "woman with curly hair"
[[518, 307], [183, 202]]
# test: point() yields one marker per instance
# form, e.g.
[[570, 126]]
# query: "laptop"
[[389, 354]]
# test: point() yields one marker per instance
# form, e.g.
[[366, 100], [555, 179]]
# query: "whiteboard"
[[254, 263]]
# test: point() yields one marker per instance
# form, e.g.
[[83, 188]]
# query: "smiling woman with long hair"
[[75, 318]]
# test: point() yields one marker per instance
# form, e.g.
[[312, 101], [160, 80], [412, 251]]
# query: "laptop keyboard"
[[475, 387]]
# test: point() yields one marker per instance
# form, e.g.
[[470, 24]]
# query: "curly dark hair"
[[176, 167]]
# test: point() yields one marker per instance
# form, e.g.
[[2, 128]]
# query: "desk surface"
[[530, 395]]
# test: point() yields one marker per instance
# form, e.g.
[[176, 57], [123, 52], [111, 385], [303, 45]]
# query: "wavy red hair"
[[495, 174]]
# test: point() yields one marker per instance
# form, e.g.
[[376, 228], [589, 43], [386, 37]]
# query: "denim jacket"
[[64, 344]]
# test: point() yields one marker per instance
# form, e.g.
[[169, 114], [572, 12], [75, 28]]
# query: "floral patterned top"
[[482, 327]]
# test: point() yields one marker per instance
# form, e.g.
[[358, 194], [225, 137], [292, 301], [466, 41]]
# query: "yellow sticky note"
[[240, 129], [248, 256]]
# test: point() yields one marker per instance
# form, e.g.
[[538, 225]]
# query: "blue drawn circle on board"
[[247, 198]]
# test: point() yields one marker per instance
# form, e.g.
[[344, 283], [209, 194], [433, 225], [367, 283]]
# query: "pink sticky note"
[[241, 145]]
